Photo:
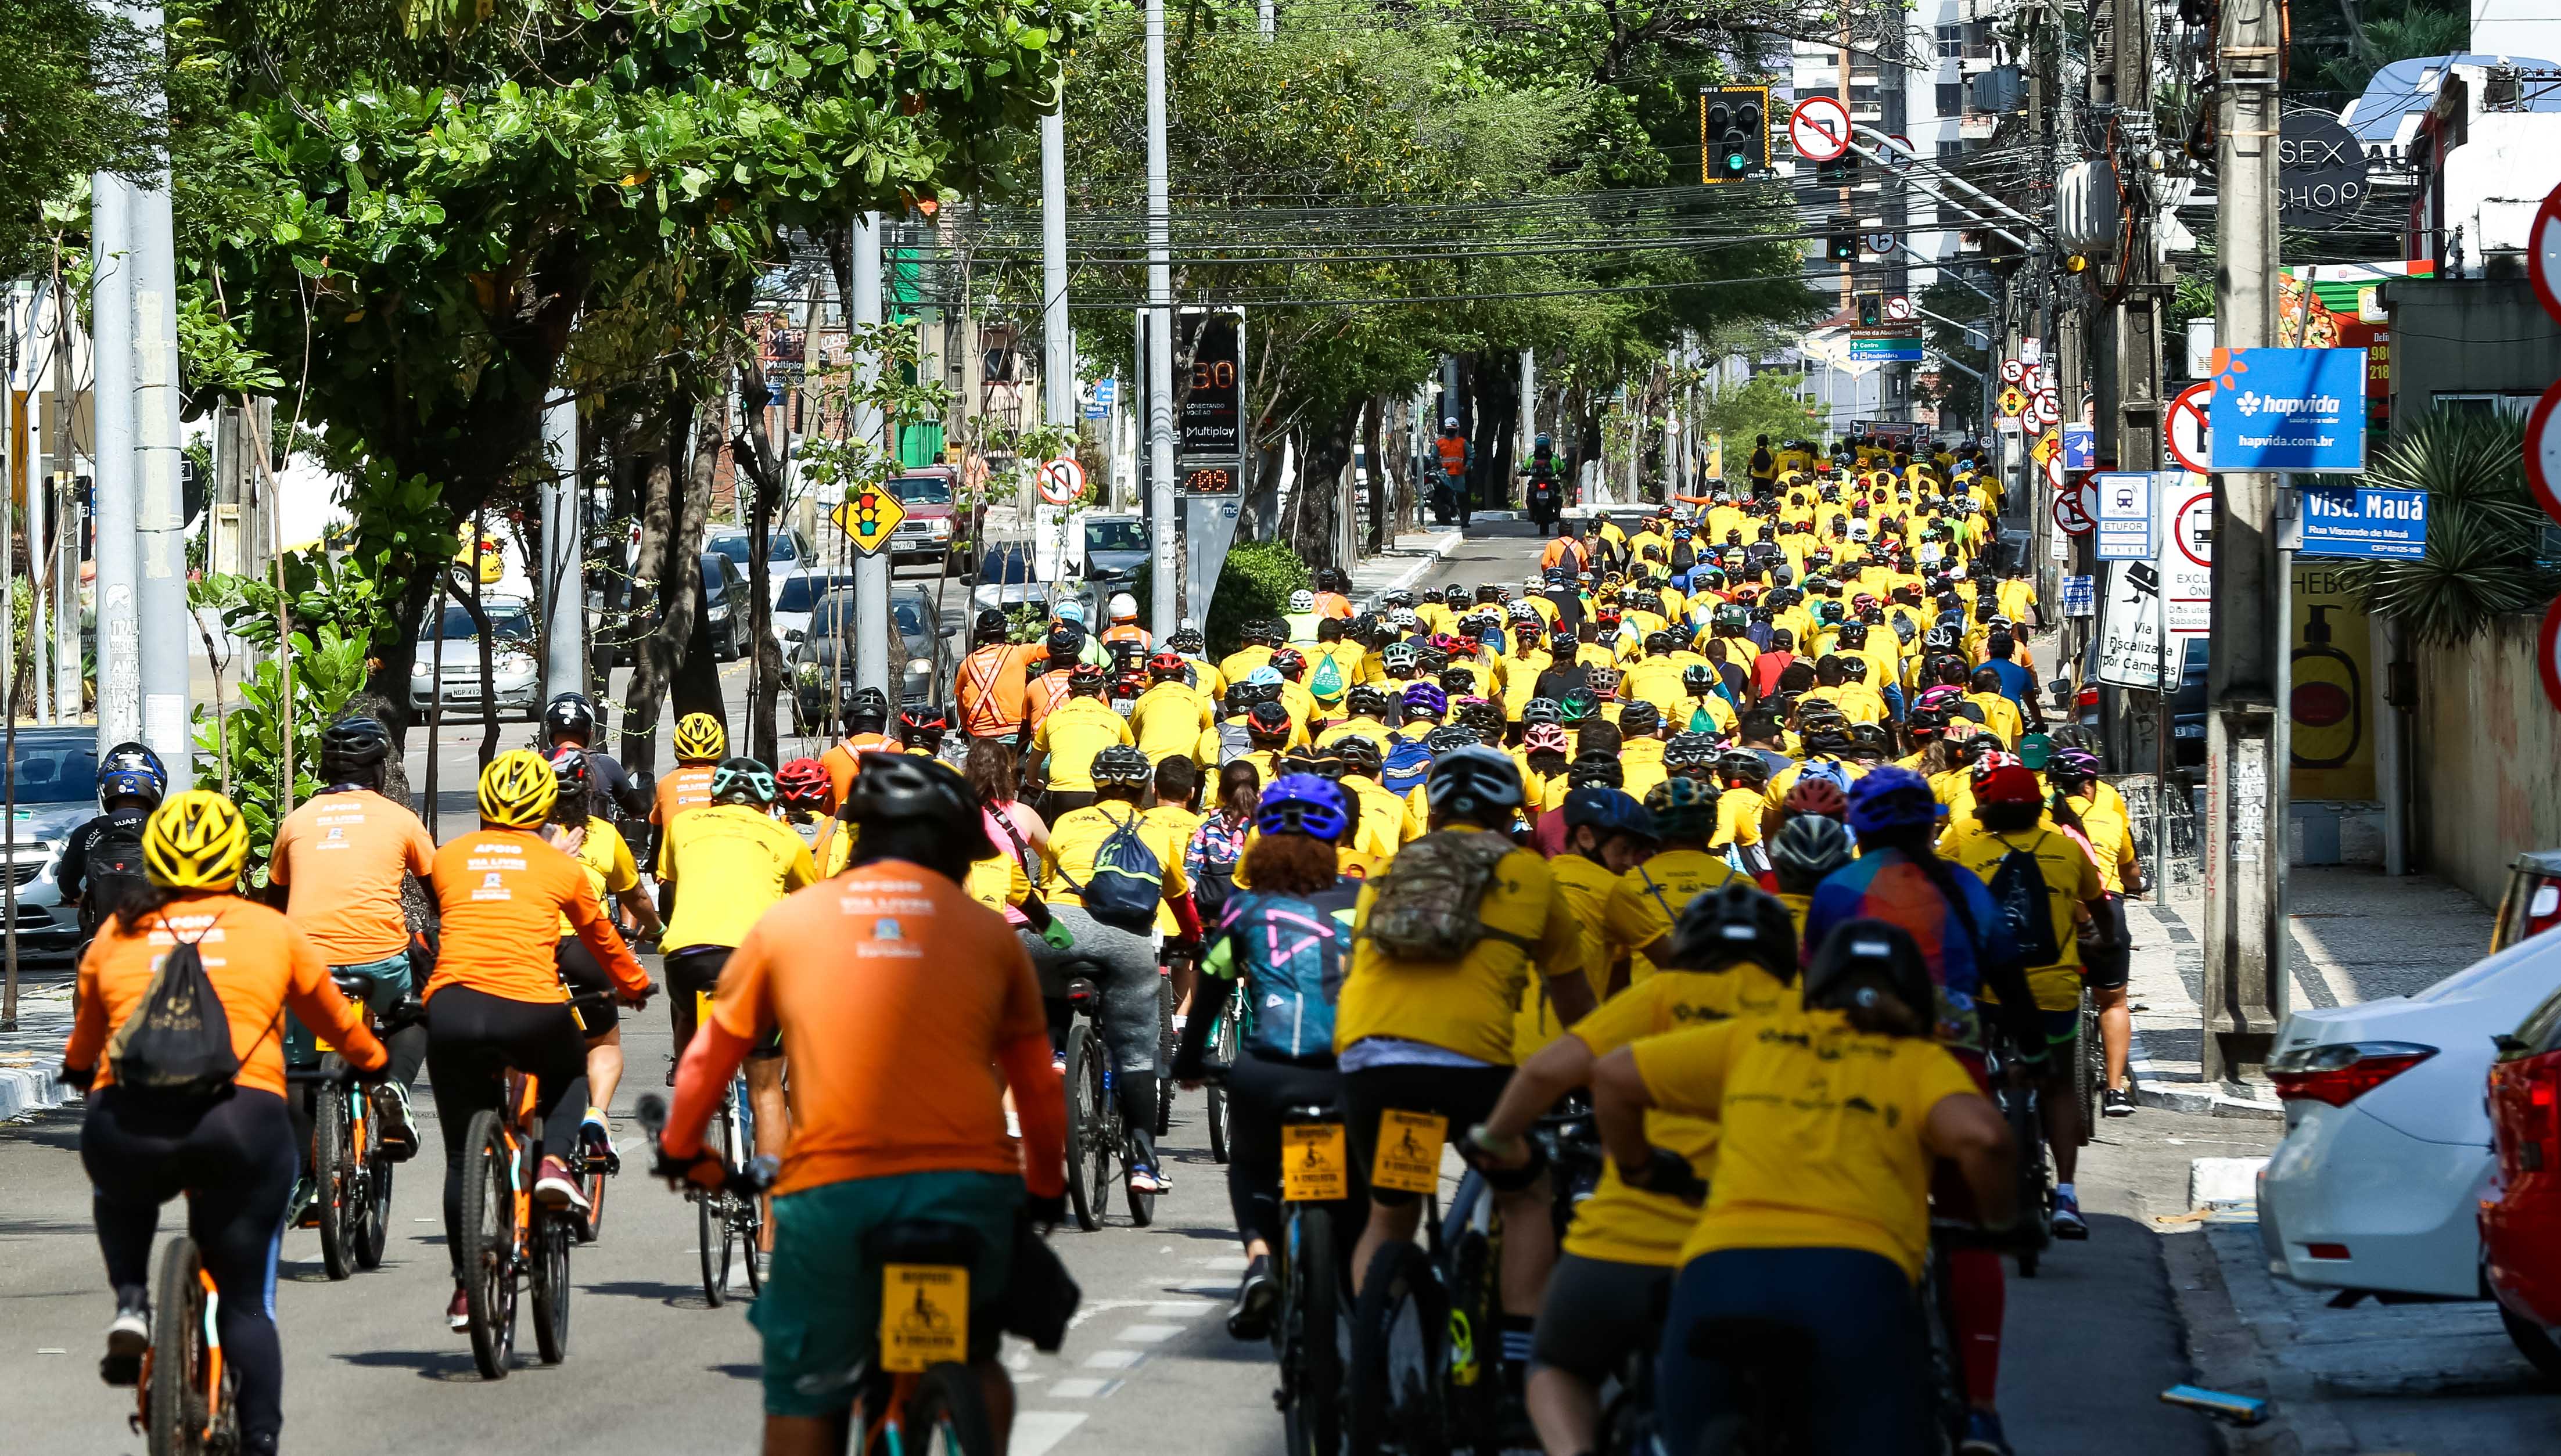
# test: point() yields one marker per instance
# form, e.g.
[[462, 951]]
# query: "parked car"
[[1115, 547], [925, 535], [516, 679], [797, 595], [2532, 904], [2387, 1149], [1007, 578], [824, 657], [56, 792], [2520, 1217], [727, 617], [788, 552]]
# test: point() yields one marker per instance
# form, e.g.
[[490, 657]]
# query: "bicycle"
[[2023, 1107], [185, 1403], [921, 1380], [1308, 1338], [1225, 1039], [1096, 1143], [726, 1219], [2089, 1065], [350, 1177]]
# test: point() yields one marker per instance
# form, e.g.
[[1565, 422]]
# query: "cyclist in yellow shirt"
[[613, 878], [727, 864], [1069, 737], [1640, 757], [1649, 899], [1733, 954], [1819, 1215], [2109, 828], [1172, 716], [1739, 809]]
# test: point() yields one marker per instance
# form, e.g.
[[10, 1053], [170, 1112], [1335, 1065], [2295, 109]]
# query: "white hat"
[[1124, 607]]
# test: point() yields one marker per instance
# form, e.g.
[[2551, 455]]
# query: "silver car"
[[516, 682], [56, 792]]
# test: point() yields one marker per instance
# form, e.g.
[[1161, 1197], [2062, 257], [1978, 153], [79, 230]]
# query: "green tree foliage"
[[1762, 405], [2483, 529], [328, 670], [71, 103]]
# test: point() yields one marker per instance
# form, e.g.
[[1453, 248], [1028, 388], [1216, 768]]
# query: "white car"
[[2387, 1145], [796, 595]]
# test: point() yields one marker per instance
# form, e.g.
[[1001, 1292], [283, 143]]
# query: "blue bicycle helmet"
[[131, 770], [1890, 797], [1610, 811], [1303, 803]]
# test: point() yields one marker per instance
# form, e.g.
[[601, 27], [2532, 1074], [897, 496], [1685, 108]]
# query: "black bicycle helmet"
[[1805, 849], [869, 703], [1481, 715], [1368, 699], [1266, 723], [1595, 770], [1689, 750], [355, 743], [895, 788], [1360, 755], [1865, 961], [1742, 765], [1541, 709], [1122, 766], [1449, 737], [1735, 921], [1639, 719], [1475, 783], [570, 712]]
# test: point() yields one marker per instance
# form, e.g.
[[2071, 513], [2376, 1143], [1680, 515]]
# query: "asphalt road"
[[371, 1369]]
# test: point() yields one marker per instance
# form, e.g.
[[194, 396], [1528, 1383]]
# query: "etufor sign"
[[2299, 409]]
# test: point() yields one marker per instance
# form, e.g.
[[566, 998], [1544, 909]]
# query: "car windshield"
[[1115, 536], [921, 490], [1006, 569], [836, 613], [800, 594], [57, 773], [509, 620], [733, 545]]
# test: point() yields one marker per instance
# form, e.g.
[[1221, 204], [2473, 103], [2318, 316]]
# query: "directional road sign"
[[1819, 128], [2191, 436], [869, 517]]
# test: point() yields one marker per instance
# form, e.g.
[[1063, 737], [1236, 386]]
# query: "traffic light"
[[1871, 310], [1840, 170], [1732, 132], [1840, 243]]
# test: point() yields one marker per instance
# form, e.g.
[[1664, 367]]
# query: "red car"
[[2520, 1214]]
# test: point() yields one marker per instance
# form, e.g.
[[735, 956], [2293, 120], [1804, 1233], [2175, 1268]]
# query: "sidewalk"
[[29, 1055], [1404, 564], [2357, 936]]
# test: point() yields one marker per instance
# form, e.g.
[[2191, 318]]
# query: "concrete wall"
[[2487, 760], [2466, 336]]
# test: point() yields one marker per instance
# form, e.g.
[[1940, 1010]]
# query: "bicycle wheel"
[[177, 1406], [2027, 1134], [748, 1213], [948, 1415], [1475, 1365], [1309, 1337], [1946, 1362], [338, 1179], [711, 1217], [2089, 1067], [1400, 1356], [1090, 1147], [489, 1245], [375, 1233], [1223, 1052], [553, 1237], [1164, 1055]]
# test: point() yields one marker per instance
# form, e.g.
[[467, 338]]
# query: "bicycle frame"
[[516, 1113], [213, 1368]]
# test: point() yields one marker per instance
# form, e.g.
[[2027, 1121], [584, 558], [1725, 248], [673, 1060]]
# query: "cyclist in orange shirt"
[[496, 1001], [899, 994], [988, 686], [231, 1153], [700, 741], [866, 731]]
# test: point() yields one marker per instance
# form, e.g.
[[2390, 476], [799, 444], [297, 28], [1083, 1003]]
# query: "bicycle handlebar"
[[747, 1182]]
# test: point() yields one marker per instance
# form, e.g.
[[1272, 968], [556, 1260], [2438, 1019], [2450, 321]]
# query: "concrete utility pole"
[[564, 582], [119, 680], [1528, 407], [160, 516], [67, 550], [872, 629], [1058, 343], [2245, 734], [1164, 603]]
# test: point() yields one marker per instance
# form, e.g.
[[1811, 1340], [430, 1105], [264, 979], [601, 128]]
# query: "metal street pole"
[[870, 572], [165, 635], [119, 680], [2245, 873], [563, 555], [1165, 601]]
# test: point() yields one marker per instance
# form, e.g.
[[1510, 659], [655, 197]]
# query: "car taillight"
[[2087, 697], [2343, 1071]]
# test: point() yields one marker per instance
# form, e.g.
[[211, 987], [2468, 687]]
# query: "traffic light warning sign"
[[869, 517]]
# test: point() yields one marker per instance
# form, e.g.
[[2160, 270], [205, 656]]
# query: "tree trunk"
[[760, 464], [1314, 532], [1259, 518], [694, 675], [650, 566], [1379, 489]]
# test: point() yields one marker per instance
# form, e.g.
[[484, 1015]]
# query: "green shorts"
[[821, 1313]]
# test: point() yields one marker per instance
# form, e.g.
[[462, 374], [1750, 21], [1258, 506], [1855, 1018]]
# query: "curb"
[[2154, 1088], [25, 1090], [1443, 543]]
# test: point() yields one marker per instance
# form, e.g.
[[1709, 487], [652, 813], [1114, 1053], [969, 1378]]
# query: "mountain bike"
[[2023, 1107], [1098, 1145], [350, 1172], [1224, 1040], [1309, 1335], [185, 1398], [731, 1223], [918, 1393], [510, 1243]]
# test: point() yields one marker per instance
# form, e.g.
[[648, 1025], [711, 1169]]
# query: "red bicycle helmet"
[[803, 784]]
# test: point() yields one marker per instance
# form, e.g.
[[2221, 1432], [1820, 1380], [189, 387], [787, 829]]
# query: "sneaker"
[[595, 1141], [1250, 1318], [2116, 1102], [1983, 1435], [126, 1341], [2067, 1217], [399, 1130], [457, 1314], [555, 1187], [1148, 1180]]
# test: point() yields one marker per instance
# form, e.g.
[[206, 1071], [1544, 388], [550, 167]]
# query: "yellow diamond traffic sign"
[[2011, 401], [869, 517], [2048, 445]]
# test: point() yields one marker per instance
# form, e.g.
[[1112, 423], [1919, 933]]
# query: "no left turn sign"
[[1819, 128]]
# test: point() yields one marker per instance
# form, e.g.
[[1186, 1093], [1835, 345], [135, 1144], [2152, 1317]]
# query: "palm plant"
[[2483, 529]]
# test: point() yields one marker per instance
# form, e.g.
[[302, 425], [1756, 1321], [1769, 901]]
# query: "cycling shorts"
[[2108, 967], [1598, 1312], [696, 970], [821, 1312], [1465, 1095], [585, 975], [2060, 1028]]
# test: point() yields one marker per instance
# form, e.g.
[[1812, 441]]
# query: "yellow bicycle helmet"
[[700, 739], [518, 789], [196, 840]]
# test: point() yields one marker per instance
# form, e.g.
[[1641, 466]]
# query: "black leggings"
[[1257, 1089], [472, 1039], [692, 970], [234, 1159]]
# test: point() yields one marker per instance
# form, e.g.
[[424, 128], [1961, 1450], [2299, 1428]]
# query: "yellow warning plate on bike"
[[1315, 1169], [1409, 1151], [924, 1316]]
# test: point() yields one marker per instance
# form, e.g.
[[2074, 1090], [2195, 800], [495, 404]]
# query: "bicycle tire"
[[176, 1409], [1308, 1334], [1947, 1361], [335, 1174], [1399, 1351], [378, 1210], [552, 1240], [1141, 1205], [711, 1219], [750, 1211], [489, 1246], [1223, 1051], [1102, 1117], [948, 1414], [1475, 1362], [2089, 1067], [2027, 1134], [1164, 1056], [1082, 1125]]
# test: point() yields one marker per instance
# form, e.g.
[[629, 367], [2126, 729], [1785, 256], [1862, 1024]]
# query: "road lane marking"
[[1080, 1387], [1036, 1432], [1149, 1334], [1114, 1360]]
